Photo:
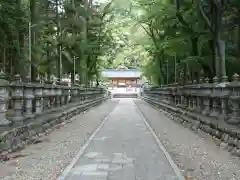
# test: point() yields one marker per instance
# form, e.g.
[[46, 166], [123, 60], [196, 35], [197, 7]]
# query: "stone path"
[[123, 149], [46, 159]]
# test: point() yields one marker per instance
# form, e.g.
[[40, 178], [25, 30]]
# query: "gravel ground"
[[46, 160], [195, 154]]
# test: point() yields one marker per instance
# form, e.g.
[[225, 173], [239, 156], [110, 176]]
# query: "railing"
[[217, 100], [23, 100]]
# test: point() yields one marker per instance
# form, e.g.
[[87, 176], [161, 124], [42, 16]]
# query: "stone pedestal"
[[235, 117], [38, 92], [206, 93], [17, 97], [224, 97], [66, 93], [206, 106], [235, 99], [215, 98], [52, 93], [4, 96], [58, 95], [28, 95], [46, 97]]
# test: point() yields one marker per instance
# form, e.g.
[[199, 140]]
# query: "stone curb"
[[17, 138], [225, 136]]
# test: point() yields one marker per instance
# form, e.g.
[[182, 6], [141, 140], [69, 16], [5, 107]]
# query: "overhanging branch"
[[204, 16], [217, 3], [183, 22], [180, 17]]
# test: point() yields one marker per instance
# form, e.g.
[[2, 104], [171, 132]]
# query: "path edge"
[[66, 170], [167, 155]]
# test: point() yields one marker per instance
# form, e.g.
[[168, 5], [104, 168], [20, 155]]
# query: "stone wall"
[[210, 107], [30, 110]]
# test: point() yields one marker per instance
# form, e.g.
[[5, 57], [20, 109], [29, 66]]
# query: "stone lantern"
[[215, 97], [28, 94], [58, 95], [235, 117], [75, 93], [38, 92], [53, 95], [4, 96], [66, 93], [47, 96], [224, 97], [62, 99], [206, 91], [17, 96]]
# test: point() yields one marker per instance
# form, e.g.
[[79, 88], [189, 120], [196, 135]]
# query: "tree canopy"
[[182, 40], [170, 40], [53, 37]]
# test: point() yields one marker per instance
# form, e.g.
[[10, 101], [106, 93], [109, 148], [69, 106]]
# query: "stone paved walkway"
[[123, 149]]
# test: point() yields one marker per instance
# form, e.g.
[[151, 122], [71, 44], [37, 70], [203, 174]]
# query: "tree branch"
[[204, 16], [217, 3], [180, 17], [153, 36], [145, 29], [183, 22], [106, 9]]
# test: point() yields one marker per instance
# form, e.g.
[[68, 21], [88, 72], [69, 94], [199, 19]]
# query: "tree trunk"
[[33, 20], [220, 46], [4, 55], [58, 60], [206, 69], [221, 57], [238, 47]]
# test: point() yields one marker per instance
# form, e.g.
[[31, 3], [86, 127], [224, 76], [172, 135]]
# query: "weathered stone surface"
[[45, 159], [18, 137], [227, 135], [123, 149], [236, 152], [217, 141], [190, 150], [218, 134]]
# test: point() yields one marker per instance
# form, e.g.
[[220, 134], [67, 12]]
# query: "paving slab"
[[123, 149], [46, 159]]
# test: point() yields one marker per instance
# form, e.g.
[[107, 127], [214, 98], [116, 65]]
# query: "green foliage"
[[169, 40], [66, 37], [183, 38]]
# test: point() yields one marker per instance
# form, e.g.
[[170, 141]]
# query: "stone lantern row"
[[23, 100], [219, 100]]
